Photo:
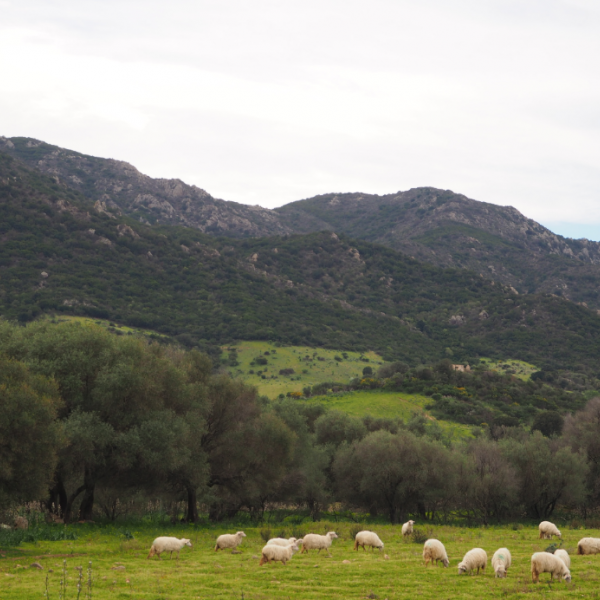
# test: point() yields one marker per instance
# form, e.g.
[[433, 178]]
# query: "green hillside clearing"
[[310, 365]]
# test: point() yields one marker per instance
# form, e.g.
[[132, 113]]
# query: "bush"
[[265, 534]]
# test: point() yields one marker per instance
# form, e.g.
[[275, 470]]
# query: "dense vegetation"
[[116, 418], [60, 255]]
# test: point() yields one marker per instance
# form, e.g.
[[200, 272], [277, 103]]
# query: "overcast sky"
[[266, 102]]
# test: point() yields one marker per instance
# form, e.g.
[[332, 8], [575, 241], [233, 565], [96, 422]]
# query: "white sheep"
[[282, 541], [168, 544], [229, 540], [433, 550], [501, 561], [407, 528], [544, 562], [473, 559], [547, 530], [588, 546], [314, 541], [278, 553], [367, 538], [564, 556]]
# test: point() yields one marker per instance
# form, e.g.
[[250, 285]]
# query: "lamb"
[[282, 541], [544, 562], [501, 561], [588, 546], [168, 544], [314, 541], [407, 528], [229, 540], [473, 559], [564, 556], [434, 550], [281, 553], [547, 530], [367, 538]]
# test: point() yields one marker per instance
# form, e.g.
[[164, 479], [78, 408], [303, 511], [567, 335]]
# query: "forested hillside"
[[440, 227], [61, 254]]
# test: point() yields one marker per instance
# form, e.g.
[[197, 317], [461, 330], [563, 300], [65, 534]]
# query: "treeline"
[[493, 397], [86, 416]]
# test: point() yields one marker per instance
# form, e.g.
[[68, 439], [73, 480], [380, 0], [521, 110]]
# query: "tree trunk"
[[58, 499], [86, 510], [192, 505]]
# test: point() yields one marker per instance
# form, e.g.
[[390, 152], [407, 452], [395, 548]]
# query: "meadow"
[[120, 569], [320, 366]]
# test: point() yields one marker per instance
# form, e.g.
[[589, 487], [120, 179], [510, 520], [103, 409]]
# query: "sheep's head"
[[294, 547], [567, 577], [501, 572], [240, 534], [292, 540], [332, 535], [446, 563], [186, 542], [411, 522], [300, 541], [462, 568]]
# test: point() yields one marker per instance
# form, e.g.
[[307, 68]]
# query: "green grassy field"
[[306, 372], [379, 403], [120, 568], [518, 368]]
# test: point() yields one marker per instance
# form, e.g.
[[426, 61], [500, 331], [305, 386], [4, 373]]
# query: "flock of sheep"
[[557, 564], [282, 550]]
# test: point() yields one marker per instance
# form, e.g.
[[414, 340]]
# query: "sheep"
[[547, 530], [434, 550], [564, 556], [229, 540], [501, 561], [281, 553], [282, 541], [314, 541], [473, 559], [588, 546], [407, 528], [168, 544], [367, 538], [544, 562]]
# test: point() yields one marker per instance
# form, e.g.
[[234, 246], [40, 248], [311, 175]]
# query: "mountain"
[[118, 187], [450, 230], [63, 253], [434, 226]]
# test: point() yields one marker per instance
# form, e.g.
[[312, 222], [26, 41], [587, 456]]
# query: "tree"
[[382, 470], [549, 422], [30, 434], [488, 482], [547, 473]]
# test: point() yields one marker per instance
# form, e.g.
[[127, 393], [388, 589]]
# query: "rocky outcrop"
[[116, 187]]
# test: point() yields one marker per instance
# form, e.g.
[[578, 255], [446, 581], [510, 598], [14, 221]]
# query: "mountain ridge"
[[435, 226]]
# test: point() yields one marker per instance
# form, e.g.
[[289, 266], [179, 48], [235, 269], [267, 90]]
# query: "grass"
[[379, 403], [120, 568], [306, 372], [518, 368], [111, 325]]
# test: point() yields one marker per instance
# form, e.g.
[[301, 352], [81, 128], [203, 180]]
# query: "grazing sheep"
[[281, 553], [282, 541], [564, 556], [367, 538], [229, 540], [473, 559], [588, 546], [501, 561], [314, 541], [544, 562], [433, 550], [407, 528], [547, 530], [168, 544]]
